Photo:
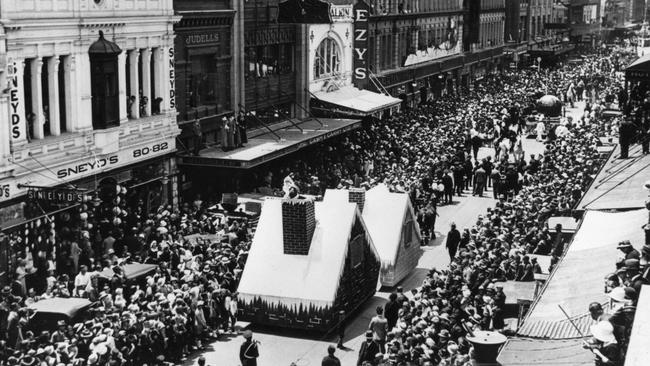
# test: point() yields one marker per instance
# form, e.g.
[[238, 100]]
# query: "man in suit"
[[391, 310], [248, 352], [479, 181], [368, 349], [633, 274], [459, 178], [453, 239], [626, 247], [448, 183], [330, 359], [626, 134]]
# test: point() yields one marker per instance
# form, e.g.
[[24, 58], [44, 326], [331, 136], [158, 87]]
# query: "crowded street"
[[310, 182]]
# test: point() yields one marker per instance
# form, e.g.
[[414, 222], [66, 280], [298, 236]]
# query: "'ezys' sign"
[[360, 60]]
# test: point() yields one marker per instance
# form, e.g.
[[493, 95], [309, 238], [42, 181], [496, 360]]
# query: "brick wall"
[[298, 224], [358, 196]]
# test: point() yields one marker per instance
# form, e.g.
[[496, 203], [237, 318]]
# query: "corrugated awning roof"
[[533, 352]]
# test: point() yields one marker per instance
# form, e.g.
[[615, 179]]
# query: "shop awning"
[[355, 101], [639, 69], [267, 147]]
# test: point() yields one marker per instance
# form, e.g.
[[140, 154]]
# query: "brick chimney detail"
[[358, 196], [298, 224]]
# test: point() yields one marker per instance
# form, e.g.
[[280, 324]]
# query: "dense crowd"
[[430, 152], [190, 297]]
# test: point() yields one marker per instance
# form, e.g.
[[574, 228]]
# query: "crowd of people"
[[430, 152], [188, 299]]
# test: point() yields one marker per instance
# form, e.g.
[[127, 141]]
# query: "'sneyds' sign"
[[55, 195], [360, 61]]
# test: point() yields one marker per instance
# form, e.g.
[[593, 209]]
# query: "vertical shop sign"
[[172, 79], [361, 11]]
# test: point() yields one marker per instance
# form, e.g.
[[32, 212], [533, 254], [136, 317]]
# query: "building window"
[[327, 62], [357, 250], [263, 61], [104, 83], [202, 81]]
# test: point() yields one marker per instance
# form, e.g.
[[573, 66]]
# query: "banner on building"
[[304, 12], [361, 11], [56, 196]]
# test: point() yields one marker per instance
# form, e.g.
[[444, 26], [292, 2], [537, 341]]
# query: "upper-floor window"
[[104, 83], [327, 62]]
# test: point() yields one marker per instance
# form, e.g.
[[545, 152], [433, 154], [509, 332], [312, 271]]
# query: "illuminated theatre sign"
[[305, 12]]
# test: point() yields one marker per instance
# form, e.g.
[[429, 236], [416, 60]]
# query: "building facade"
[[415, 49], [585, 19], [205, 63], [484, 46], [92, 96]]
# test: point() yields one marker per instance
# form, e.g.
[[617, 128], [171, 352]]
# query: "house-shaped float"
[[392, 224], [308, 261]]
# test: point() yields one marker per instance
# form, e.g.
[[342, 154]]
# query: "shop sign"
[[360, 62], [202, 39], [85, 167], [16, 108], [54, 195], [341, 13], [172, 79]]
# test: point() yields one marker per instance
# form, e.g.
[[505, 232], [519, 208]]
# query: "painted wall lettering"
[[360, 62], [14, 101], [172, 80]]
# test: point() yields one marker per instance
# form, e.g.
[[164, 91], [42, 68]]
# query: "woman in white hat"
[[605, 347]]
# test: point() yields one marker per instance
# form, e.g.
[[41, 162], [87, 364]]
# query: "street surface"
[[281, 348]]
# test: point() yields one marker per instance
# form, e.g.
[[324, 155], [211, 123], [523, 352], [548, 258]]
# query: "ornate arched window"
[[328, 59]]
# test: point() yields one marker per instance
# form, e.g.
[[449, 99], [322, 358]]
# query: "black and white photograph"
[[324, 182]]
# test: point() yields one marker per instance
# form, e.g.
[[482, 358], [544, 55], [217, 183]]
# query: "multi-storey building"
[[91, 94], [206, 62], [585, 19], [415, 48], [484, 46]]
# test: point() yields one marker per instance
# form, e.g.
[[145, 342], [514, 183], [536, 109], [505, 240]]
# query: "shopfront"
[[67, 199], [203, 64]]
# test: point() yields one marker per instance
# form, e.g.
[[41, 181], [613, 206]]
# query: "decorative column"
[[85, 108], [121, 75], [17, 118], [134, 56], [146, 80], [70, 90], [36, 68], [53, 94], [159, 78]]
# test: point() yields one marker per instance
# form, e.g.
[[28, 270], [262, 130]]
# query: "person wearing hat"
[[330, 359], [368, 349], [249, 352], [379, 327], [604, 345], [624, 303], [626, 247], [341, 329], [453, 240], [633, 274]]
